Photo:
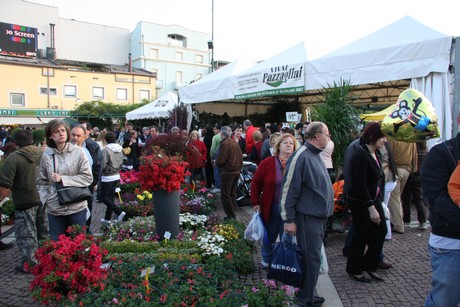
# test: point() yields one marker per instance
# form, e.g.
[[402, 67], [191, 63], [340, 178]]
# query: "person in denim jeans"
[[266, 191], [444, 242]]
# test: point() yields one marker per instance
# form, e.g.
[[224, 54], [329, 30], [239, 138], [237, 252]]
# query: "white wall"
[[89, 42], [74, 40]]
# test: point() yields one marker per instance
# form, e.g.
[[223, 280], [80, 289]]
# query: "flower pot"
[[167, 208]]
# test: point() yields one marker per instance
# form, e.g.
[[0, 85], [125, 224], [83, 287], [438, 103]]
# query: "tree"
[[340, 116], [101, 114]]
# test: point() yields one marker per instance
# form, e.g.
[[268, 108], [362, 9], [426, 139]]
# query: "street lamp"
[[211, 42], [211, 47], [77, 102]]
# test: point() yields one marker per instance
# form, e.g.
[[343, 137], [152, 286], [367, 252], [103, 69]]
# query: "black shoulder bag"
[[68, 195]]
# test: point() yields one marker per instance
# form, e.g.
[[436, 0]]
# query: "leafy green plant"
[[7, 210], [339, 115], [38, 136]]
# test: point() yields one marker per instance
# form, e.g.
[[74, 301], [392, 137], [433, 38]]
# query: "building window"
[[177, 40], [199, 59], [198, 76], [144, 94], [46, 71], [154, 53], [52, 91], [98, 93], [122, 94], [179, 57], [179, 76], [70, 91], [17, 99]]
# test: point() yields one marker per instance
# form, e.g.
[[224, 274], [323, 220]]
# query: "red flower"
[[160, 171], [67, 267]]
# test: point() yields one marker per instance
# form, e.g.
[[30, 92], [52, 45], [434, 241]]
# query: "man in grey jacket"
[[307, 200]]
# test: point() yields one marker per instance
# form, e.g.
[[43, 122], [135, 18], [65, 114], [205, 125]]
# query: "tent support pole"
[[456, 98]]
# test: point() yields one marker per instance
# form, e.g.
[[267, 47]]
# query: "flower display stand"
[[167, 209]]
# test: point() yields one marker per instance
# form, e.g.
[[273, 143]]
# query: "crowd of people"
[[291, 188]]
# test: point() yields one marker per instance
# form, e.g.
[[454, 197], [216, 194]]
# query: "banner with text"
[[279, 80]]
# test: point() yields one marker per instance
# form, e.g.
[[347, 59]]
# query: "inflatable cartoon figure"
[[416, 117], [412, 120]]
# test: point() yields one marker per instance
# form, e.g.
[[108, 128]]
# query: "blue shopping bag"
[[285, 262]]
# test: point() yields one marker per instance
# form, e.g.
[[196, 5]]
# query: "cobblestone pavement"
[[406, 284]]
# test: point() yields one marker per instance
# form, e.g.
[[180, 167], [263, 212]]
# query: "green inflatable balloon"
[[413, 118]]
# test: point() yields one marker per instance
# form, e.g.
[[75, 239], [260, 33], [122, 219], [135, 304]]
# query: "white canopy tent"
[[157, 108], [215, 86], [405, 49]]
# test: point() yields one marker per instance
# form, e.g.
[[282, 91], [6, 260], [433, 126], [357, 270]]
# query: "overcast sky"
[[259, 29]]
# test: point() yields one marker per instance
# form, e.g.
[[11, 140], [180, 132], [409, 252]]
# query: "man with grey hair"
[[249, 128], [307, 200], [230, 161]]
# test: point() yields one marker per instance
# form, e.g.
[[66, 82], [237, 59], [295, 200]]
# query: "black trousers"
[[365, 232], [412, 193]]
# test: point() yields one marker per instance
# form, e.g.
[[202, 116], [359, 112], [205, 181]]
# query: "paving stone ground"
[[406, 284]]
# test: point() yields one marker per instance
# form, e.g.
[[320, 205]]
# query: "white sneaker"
[[121, 216], [423, 226], [215, 190], [104, 221]]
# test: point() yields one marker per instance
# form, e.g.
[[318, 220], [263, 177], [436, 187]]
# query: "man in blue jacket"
[[444, 242], [307, 201]]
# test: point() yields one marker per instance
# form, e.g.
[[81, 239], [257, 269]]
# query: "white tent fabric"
[[405, 49], [215, 86], [435, 87], [283, 73], [157, 108]]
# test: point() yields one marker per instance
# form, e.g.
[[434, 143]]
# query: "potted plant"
[[137, 203], [7, 211], [163, 174], [67, 268]]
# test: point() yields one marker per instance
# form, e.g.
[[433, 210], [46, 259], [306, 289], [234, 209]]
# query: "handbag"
[[127, 150], [285, 262], [69, 194]]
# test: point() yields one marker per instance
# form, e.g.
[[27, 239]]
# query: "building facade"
[[176, 55], [77, 62]]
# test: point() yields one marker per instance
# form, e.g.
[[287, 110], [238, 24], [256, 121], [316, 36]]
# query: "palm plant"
[[340, 117]]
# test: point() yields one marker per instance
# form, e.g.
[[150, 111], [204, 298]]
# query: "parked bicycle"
[[243, 192]]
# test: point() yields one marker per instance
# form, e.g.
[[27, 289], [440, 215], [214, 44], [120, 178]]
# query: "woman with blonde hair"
[[257, 148], [266, 190], [101, 139]]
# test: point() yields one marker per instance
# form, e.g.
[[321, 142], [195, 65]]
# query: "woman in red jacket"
[[266, 190], [196, 156]]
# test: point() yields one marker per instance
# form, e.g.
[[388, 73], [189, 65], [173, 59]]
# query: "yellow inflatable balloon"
[[413, 118]]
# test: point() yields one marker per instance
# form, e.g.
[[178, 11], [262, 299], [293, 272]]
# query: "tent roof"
[[405, 49], [215, 86], [157, 108], [294, 55]]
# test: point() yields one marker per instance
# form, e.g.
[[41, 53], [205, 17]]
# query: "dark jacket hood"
[[31, 153]]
